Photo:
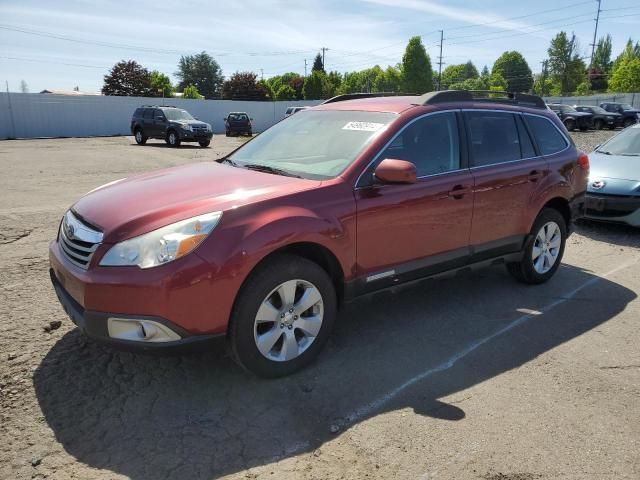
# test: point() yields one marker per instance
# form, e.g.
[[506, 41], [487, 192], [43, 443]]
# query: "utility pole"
[[440, 60], [324, 49], [261, 74], [545, 64], [13, 123], [593, 45], [305, 68]]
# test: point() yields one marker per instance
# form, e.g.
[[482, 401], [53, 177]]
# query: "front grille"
[[78, 241]]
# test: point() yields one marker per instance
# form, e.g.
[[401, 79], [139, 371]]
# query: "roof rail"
[[157, 106], [354, 96], [513, 98]]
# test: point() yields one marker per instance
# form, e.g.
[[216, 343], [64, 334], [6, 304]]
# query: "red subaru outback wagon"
[[343, 199]]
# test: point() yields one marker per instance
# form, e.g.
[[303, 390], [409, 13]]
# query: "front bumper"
[[195, 136], [95, 325], [614, 208], [183, 296]]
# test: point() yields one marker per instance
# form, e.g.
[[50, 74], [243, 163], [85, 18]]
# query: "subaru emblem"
[[597, 184], [70, 231]]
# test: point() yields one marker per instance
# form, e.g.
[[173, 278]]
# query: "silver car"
[[613, 193]]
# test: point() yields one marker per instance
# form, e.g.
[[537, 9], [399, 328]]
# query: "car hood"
[[190, 122], [621, 174], [136, 205], [580, 114]]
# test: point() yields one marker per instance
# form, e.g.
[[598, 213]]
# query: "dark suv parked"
[[571, 118], [171, 124], [601, 118], [260, 247], [237, 122], [628, 114]]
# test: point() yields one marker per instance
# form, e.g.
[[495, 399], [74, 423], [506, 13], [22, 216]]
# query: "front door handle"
[[459, 191]]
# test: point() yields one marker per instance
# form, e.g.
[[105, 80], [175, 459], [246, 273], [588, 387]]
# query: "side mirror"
[[396, 171], [251, 119]]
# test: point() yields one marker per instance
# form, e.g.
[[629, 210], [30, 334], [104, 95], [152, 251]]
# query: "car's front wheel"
[[173, 140], [282, 317], [205, 143], [140, 137], [628, 122], [598, 124], [570, 124], [543, 249]]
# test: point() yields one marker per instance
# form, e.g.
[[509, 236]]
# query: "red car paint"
[[364, 230]]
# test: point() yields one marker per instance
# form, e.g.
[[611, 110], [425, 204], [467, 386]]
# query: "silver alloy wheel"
[[546, 247], [172, 138], [138, 136], [289, 320]]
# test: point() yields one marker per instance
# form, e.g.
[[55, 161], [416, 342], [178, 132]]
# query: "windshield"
[[598, 110], [176, 114], [238, 116], [625, 143], [567, 108], [314, 144]]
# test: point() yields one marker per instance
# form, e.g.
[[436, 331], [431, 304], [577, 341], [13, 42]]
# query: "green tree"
[[161, 85], [191, 91], [317, 86], [318, 66], [602, 55], [515, 70], [243, 86], [566, 68], [285, 92], [202, 71], [630, 52], [458, 73], [626, 76], [335, 79], [417, 74], [127, 78]]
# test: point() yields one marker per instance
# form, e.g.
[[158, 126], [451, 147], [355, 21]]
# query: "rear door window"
[[526, 146], [148, 113], [547, 135], [493, 137]]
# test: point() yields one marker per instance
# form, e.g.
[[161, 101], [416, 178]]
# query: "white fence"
[[630, 98], [35, 115]]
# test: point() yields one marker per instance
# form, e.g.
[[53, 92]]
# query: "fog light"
[[140, 330]]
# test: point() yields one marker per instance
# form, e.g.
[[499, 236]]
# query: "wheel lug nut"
[[282, 325], [290, 327], [291, 310], [295, 317], [282, 315]]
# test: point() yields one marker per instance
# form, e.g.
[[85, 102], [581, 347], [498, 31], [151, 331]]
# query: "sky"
[[66, 43]]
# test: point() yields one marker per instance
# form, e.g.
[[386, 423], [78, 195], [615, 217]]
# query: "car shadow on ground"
[[612, 233], [200, 416], [163, 144]]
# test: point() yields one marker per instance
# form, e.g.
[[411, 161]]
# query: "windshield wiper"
[[604, 151], [230, 162], [268, 169]]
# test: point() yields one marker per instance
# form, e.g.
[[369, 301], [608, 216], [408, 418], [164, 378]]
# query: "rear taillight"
[[583, 161]]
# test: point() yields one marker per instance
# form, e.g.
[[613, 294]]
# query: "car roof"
[[375, 104], [237, 113]]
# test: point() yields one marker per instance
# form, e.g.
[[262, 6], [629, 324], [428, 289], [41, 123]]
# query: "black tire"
[[173, 139], [524, 270], [612, 127], [140, 137], [250, 133], [227, 134], [628, 122], [205, 143], [598, 124], [584, 129], [263, 280], [570, 124]]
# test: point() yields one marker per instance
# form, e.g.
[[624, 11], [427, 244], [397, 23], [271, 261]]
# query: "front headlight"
[[163, 245], [188, 127]]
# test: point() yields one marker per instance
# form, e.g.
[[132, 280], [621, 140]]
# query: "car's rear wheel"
[[570, 124], [612, 127], [205, 143], [173, 140], [282, 317], [628, 122], [543, 249], [140, 137], [598, 124], [584, 128]]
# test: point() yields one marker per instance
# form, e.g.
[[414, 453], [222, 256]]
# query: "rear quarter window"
[[138, 113], [546, 134]]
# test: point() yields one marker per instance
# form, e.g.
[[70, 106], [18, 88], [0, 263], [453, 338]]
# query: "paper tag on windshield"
[[363, 126]]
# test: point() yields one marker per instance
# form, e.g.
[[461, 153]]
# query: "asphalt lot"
[[472, 377]]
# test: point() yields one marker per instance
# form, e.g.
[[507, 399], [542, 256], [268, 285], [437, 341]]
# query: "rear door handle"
[[535, 175], [459, 191]]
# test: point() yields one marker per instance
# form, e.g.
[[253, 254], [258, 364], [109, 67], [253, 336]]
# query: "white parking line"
[[366, 410]]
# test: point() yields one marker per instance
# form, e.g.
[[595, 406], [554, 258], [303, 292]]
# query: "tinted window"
[[547, 136], [177, 114], [139, 112], [158, 114], [430, 143], [494, 137], [238, 117], [526, 147], [148, 113]]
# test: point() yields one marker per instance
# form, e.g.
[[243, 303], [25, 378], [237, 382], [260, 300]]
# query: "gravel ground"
[[472, 377]]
